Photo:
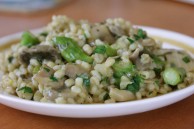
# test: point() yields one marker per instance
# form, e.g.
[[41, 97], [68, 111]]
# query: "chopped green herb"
[[141, 34], [157, 60], [86, 80], [117, 82], [101, 49], [186, 59], [106, 96], [26, 89], [44, 34], [157, 71], [39, 60], [10, 59], [136, 37], [54, 79], [110, 51], [130, 40], [135, 86], [157, 82], [84, 76], [46, 69]]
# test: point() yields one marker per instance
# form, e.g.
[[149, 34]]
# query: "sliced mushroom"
[[176, 58], [39, 52], [101, 32], [135, 54], [50, 94], [148, 42], [116, 30], [141, 66], [121, 95], [72, 70], [163, 51], [45, 78]]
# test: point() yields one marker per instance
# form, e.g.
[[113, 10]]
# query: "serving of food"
[[77, 62]]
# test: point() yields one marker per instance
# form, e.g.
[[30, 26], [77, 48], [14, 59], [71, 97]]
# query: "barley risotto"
[[78, 62]]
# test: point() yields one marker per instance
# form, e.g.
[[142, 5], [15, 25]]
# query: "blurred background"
[[19, 15]]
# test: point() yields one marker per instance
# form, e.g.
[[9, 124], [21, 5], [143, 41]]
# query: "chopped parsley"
[[157, 71], [135, 86], [46, 69], [130, 40], [54, 79], [26, 89], [136, 37], [157, 60], [141, 34], [86, 80], [157, 82], [101, 49], [106, 96], [105, 49], [10, 59], [186, 59]]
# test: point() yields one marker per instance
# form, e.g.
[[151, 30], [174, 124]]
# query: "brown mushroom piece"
[[121, 95], [72, 70], [148, 42], [135, 54], [50, 94], [116, 30], [102, 32], [163, 51], [176, 58], [39, 52], [45, 78], [141, 66]]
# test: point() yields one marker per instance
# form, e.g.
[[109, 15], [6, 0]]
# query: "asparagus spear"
[[173, 76], [28, 39], [70, 50]]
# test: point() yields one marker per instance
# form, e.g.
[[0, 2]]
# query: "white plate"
[[105, 110]]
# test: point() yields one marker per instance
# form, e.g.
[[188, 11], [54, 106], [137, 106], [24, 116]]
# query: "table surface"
[[163, 14]]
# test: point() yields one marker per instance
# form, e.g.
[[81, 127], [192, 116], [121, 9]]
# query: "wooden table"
[[163, 14]]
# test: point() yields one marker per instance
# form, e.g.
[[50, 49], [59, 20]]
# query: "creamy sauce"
[[175, 43], [170, 41], [8, 44]]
